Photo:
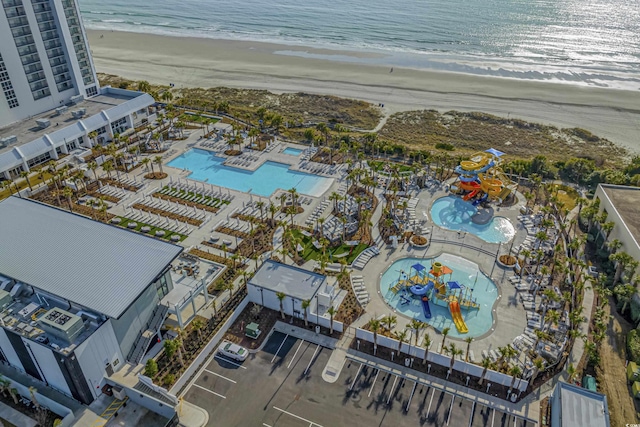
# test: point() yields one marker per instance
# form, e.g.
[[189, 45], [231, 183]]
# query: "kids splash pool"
[[460, 281], [207, 167], [453, 213]]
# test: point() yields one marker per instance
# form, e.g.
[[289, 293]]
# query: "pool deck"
[[511, 319], [510, 314]]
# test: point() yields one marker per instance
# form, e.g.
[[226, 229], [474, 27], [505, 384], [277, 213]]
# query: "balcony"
[[53, 44], [49, 35], [57, 61], [31, 59], [20, 32], [10, 3], [47, 27], [39, 86], [36, 77], [18, 22], [25, 41], [27, 50], [60, 69], [41, 94], [32, 69], [14, 13]]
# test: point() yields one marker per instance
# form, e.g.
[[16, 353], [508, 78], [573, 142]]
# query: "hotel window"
[[7, 87], [161, 286], [92, 91]]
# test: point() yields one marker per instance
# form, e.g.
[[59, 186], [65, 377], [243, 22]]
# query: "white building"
[[298, 285], [45, 61], [48, 136], [621, 205], [573, 406], [78, 298]]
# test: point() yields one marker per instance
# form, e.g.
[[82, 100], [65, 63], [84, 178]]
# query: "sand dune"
[[194, 62]]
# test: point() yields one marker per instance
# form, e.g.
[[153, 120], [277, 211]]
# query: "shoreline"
[[197, 62]]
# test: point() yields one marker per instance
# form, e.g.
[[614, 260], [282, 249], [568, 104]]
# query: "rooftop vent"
[[61, 324]]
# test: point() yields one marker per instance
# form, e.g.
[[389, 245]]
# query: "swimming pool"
[[466, 273], [455, 214], [206, 166], [292, 151]]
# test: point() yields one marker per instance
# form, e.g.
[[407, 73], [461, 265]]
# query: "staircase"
[[142, 342]]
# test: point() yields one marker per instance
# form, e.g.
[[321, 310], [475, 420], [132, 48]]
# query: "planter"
[[156, 175], [419, 241], [506, 261]]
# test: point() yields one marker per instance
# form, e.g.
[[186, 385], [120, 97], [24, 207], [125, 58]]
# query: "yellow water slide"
[[475, 163], [490, 185], [456, 316]]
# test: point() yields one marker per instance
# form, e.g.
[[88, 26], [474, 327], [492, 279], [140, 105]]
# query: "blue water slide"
[[480, 200], [421, 290], [425, 308]]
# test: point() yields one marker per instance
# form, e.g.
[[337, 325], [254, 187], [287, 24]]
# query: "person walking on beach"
[[391, 70]]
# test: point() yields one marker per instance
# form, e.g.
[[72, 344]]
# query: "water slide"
[[462, 169], [469, 186], [480, 200], [425, 307], [456, 316], [421, 290], [470, 195], [491, 186]]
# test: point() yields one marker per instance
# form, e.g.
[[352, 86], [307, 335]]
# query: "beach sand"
[[200, 62]]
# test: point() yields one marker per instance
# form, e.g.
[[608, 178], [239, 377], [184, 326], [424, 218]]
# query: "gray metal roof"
[[576, 406], [294, 281], [101, 267]]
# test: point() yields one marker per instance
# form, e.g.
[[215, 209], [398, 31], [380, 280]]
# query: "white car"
[[233, 351]]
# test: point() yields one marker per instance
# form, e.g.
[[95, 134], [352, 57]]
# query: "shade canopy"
[[454, 285], [418, 267], [495, 152]]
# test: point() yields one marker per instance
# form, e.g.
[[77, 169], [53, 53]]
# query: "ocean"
[[585, 42]]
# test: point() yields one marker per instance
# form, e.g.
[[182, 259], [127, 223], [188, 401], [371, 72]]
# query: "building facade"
[[72, 317], [45, 61]]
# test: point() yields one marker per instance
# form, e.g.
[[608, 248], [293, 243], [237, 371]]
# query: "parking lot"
[[281, 386]]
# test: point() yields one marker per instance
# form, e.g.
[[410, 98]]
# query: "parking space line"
[[265, 425], [493, 416], [356, 377], [450, 408], [413, 390], [473, 408], [431, 401], [294, 354], [278, 351], [221, 376], [311, 361], [374, 383], [210, 391], [224, 359], [311, 423], [395, 379]]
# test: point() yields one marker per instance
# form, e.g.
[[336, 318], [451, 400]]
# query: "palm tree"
[[571, 373], [390, 320], [515, 372], [426, 341], [25, 175], [468, 340], [417, 325], [453, 351], [374, 326], [486, 363], [93, 135], [620, 259], [332, 312], [538, 365], [108, 167], [401, 337], [526, 253], [445, 332], [67, 193], [197, 326], [281, 296], [305, 305], [624, 293], [260, 205], [158, 160]]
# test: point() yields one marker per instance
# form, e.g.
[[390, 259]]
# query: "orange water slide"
[[469, 186], [456, 316]]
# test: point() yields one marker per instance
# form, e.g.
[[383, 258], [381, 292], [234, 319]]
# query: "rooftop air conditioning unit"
[[61, 110], [43, 123], [76, 99], [61, 324]]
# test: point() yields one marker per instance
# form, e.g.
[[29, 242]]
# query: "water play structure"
[[431, 287], [482, 179]]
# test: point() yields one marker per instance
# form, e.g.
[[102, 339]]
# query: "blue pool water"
[[455, 214], [207, 167], [465, 272], [292, 151]]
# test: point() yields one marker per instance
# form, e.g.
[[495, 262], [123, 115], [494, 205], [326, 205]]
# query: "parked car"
[[233, 351]]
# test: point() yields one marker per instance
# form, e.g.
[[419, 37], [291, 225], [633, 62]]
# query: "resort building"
[[59, 133], [620, 204], [78, 297], [576, 406], [45, 61], [297, 285]]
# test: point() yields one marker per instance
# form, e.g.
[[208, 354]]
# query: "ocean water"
[[594, 42]]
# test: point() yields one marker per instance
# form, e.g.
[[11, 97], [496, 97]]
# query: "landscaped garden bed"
[[186, 202], [156, 175], [419, 241]]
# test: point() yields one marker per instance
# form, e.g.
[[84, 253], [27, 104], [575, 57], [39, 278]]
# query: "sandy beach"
[[195, 62]]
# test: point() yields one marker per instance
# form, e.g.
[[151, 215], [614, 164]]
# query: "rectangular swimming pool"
[[206, 166], [292, 151]]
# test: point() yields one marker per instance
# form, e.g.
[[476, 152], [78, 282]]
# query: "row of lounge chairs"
[[175, 208], [113, 191], [317, 212], [365, 256], [308, 153], [160, 222], [357, 284]]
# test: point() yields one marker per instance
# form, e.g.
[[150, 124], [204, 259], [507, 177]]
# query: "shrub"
[[168, 379], [445, 146], [633, 346], [151, 368]]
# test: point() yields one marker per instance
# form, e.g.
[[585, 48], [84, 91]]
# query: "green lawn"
[[310, 251], [183, 194], [124, 221]]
